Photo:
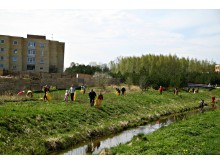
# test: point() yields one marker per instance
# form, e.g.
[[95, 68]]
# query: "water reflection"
[[95, 147]]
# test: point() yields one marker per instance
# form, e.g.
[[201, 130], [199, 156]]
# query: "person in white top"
[[72, 90], [66, 96]]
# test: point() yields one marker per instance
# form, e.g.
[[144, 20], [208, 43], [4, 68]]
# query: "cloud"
[[103, 35]]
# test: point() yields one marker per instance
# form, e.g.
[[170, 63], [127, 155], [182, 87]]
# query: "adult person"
[[123, 90], [213, 99], [117, 91], [72, 90], [29, 93], [201, 106], [213, 102], [83, 89], [161, 90], [176, 91], [46, 89], [20, 93], [92, 96]]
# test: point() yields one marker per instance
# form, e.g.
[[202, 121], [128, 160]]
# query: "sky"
[[100, 31], [102, 35]]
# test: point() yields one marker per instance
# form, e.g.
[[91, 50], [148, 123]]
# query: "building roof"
[[36, 36]]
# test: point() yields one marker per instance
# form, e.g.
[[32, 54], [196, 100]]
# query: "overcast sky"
[[102, 35]]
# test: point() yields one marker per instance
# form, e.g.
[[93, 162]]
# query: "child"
[[66, 96], [100, 98]]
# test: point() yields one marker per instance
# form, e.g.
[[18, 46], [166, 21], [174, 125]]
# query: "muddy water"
[[96, 146]]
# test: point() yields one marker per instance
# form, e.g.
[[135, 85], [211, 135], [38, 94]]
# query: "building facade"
[[34, 53]]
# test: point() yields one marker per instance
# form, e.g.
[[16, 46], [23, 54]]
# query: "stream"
[[94, 147]]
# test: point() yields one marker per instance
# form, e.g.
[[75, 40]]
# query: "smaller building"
[[1, 72], [217, 68]]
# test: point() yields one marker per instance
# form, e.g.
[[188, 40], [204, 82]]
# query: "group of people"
[[120, 92], [28, 94], [193, 90], [97, 101]]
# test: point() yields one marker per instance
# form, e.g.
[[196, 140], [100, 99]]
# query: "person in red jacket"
[[213, 99], [21, 93], [161, 90]]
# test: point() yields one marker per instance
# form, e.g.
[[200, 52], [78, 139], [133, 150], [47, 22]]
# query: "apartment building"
[[34, 53]]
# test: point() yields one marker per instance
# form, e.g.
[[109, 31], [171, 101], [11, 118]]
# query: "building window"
[[2, 41], [42, 45], [1, 65], [31, 44], [41, 68], [2, 58], [31, 60], [1, 49], [31, 52], [14, 59], [14, 67], [41, 52], [15, 51], [15, 42], [42, 61]]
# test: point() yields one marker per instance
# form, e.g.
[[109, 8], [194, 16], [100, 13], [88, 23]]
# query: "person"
[[92, 96], [213, 99], [161, 90], [21, 93], [66, 96], [83, 89], [72, 90], [123, 90], [100, 98], [117, 91], [46, 89], [29, 93], [201, 106], [176, 91], [213, 102]]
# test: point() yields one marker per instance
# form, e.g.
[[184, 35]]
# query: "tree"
[[165, 70]]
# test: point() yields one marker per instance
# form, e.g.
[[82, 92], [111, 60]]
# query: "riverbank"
[[38, 127], [198, 135]]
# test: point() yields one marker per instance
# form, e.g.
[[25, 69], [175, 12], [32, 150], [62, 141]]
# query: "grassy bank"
[[199, 135], [32, 126]]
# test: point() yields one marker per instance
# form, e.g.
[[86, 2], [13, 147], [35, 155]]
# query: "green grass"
[[199, 135], [32, 126]]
